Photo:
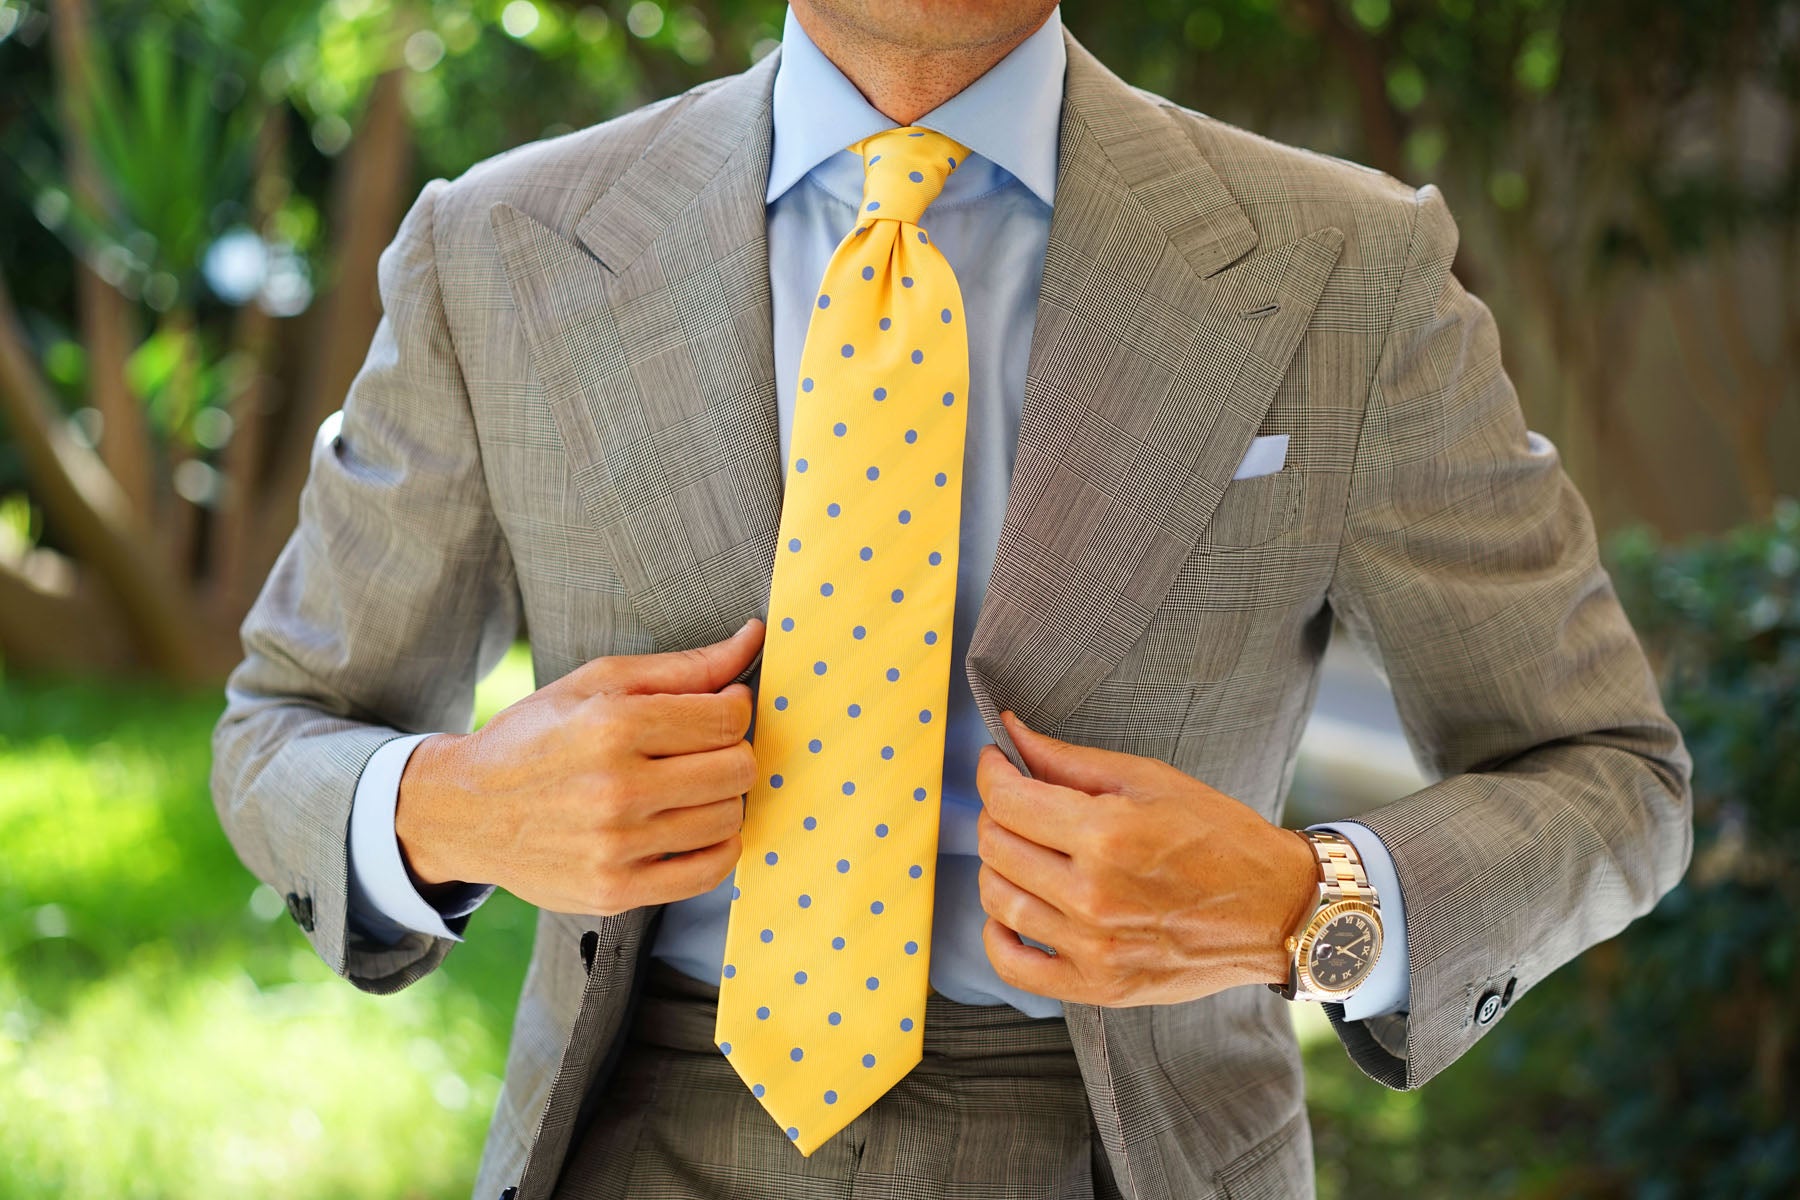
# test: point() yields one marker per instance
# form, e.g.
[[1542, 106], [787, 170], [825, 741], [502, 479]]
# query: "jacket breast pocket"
[[1253, 511]]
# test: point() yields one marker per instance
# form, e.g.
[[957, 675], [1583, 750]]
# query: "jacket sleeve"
[[391, 599], [1560, 808]]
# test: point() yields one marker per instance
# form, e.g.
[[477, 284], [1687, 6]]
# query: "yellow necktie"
[[822, 1001]]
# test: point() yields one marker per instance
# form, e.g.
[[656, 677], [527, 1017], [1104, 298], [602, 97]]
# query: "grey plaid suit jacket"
[[568, 413]]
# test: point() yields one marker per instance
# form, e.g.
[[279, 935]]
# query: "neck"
[[903, 81]]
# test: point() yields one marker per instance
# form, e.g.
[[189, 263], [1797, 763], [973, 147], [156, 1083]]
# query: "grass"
[[163, 1022]]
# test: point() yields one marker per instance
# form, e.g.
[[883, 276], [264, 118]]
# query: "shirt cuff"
[[383, 898], [1387, 989]]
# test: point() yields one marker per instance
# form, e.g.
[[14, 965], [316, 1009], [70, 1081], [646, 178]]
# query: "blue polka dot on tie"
[[859, 633], [849, 350], [941, 479], [840, 429], [771, 858], [945, 315], [912, 947], [756, 1089], [806, 384], [793, 543], [893, 673], [898, 595], [824, 301], [905, 516], [918, 356], [819, 667], [824, 590], [805, 900], [881, 393], [887, 752], [832, 509], [768, 935], [887, 322], [906, 281], [873, 983], [837, 943], [855, 710], [800, 466], [873, 205], [730, 971], [810, 823], [796, 1054], [918, 793], [776, 781], [762, 1014], [725, 1047], [906, 1024], [835, 1017], [953, 164], [815, 745], [881, 830], [931, 634], [924, 716], [921, 235], [787, 624], [800, 976], [875, 160], [935, 558], [868, 272], [874, 472], [843, 866], [949, 399], [915, 176], [912, 435], [831, 1097], [793, 1133], [876, 908], [867, 552], [849, 788], [780, 703], [915, 871], [869, 1059]]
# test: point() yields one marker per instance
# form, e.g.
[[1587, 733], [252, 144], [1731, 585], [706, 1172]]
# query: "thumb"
[[705, 668], [1087, 769]]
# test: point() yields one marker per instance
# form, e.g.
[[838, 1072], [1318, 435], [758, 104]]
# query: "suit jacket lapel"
[[653, 340], [1153, 360]]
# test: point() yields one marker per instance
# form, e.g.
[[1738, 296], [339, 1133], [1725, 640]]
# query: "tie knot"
[[904, 169]]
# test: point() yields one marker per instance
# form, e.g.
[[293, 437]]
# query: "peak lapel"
[[651, 334], [1146, 382]]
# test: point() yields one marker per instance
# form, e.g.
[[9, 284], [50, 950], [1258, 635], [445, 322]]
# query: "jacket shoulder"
[[1288, 191], [554, 179]]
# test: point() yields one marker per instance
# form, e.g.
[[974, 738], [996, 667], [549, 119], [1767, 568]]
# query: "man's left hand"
[[1152, 887]]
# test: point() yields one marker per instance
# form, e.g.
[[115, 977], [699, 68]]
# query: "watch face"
[[1344, 951]]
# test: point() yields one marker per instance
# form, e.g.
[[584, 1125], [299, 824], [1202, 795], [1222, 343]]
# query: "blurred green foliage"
[[165, 1030]]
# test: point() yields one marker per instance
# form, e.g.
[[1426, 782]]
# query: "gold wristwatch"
[[1336, 946]]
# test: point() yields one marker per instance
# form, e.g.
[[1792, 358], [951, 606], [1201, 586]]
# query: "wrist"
[[426, 837], [1302, 875]]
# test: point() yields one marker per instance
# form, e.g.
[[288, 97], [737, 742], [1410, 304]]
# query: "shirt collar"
[[1010, 115]]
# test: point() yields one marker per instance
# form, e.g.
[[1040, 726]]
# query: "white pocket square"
[[1266, 456]]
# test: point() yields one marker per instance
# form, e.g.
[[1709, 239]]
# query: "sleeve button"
[[301, 909], [1488, 1009]]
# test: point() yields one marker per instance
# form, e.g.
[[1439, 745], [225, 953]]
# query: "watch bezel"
[[1322, 918]]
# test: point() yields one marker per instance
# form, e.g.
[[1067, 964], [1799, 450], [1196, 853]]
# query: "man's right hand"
[[619, 785]]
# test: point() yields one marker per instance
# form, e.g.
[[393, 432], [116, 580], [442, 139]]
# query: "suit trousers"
[[996, 1109]]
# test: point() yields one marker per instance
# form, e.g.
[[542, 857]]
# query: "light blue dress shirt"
[[992, 222]]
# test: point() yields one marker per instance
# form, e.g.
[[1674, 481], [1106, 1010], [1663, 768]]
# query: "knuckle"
[[745, 762]]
